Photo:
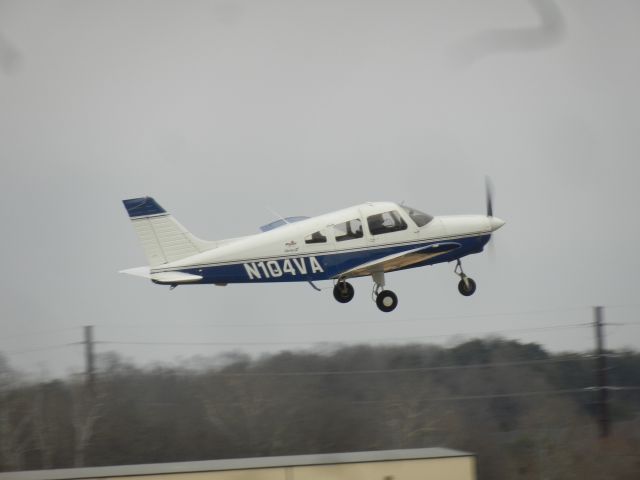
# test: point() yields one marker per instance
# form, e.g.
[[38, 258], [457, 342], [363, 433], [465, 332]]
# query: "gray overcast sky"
[[220, 109]]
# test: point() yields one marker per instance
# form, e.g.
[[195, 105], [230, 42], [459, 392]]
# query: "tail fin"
[[163, 239]]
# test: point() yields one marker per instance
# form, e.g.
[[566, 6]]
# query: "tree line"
[[526, 413]]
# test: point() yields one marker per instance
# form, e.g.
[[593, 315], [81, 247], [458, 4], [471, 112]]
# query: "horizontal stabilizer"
[[174, 278], [168, 278], [144, 272]]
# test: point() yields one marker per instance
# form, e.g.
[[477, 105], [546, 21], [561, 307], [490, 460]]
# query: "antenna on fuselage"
[[273, 212]]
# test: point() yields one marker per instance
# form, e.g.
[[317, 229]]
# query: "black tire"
[[343, 292], [387, 301], [467, 289]]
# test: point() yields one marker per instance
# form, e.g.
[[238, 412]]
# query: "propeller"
[[488, 187]]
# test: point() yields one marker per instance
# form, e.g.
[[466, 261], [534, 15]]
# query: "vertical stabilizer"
[[163, 239]]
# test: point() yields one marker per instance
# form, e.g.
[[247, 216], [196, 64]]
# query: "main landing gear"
[[343, 291], [386, 300], [466, 286]]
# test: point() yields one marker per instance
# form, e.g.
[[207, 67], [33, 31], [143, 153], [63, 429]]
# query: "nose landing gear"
[[466, 286], [386, 300]]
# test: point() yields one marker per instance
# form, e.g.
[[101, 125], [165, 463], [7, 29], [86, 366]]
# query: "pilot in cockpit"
[[376, 224]]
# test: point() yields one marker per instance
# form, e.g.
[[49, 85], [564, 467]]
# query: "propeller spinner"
[[495, 222]]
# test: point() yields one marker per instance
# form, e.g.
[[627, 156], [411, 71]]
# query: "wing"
[[281, 223], [401, 260]]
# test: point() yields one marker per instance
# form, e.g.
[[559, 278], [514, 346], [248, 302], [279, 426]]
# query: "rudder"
[[163, 239]]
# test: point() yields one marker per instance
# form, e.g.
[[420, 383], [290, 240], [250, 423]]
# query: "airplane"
[[370, 239]]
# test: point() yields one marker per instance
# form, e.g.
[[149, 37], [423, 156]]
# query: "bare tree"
[[13, 427], [42, 427], [86, 408]]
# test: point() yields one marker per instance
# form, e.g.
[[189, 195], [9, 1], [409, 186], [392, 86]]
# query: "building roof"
[[235, 464]]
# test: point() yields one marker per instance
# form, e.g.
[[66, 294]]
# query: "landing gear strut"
[[386, 300], [343, 291], [466, 286]]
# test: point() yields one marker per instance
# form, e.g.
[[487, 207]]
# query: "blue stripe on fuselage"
[[327, 265]]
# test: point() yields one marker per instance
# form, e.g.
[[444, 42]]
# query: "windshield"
[[417, 216]]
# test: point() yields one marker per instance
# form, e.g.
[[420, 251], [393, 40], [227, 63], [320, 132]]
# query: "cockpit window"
[[348, 230], [386, 222], [417, 216]]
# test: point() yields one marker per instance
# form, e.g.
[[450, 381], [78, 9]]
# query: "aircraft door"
[[364, 212]]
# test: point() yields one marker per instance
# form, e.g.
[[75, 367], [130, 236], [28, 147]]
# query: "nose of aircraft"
[[495, 223]]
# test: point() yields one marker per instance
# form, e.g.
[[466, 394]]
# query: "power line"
[[488, 396], [404, 400], [623, 305], [525, 329], [356, 341], [38, 332], [203, 344], [38, 349], [357, 322], [344, 322], [398, 370], [441, 335], [485, 396]]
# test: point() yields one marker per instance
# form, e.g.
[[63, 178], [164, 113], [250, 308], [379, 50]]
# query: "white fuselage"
[[279, 249]]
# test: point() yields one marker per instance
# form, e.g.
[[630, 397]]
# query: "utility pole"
[[601, 374], [89, 358]]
